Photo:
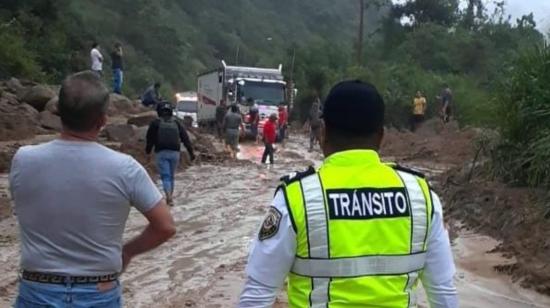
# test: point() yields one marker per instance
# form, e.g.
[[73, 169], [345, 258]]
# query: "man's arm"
[[439, 271], [184, 137], [161, 228], [146, 198], [152, 132], [271, 257]]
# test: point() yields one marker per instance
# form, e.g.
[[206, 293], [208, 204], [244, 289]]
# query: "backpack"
[[168, 136]]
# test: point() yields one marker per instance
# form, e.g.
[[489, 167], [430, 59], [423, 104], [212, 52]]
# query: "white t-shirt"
[[72, 200], [97, 60]]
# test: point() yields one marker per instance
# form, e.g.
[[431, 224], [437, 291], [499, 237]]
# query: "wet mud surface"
[[218, 211]]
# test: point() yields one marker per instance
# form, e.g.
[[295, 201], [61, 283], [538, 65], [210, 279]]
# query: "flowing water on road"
[[218, 210]]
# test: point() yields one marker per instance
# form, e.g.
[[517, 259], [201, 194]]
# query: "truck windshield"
[[264, 93], [187, 106]]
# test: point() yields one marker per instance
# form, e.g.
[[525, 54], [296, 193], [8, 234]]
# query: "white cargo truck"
[[244, 86]]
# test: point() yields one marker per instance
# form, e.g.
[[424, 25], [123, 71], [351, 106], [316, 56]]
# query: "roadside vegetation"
[[497, 67]]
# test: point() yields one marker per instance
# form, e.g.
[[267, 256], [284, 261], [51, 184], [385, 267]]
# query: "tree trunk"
[[361, 28]]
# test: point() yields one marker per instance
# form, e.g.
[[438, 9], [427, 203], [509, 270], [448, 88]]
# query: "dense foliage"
[[523, 156], [168, 40]]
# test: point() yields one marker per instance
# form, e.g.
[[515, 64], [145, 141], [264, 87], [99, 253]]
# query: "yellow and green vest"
[[361, 232]]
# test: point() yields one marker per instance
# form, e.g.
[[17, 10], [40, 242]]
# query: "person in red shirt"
[[270, 136], [283, 122]]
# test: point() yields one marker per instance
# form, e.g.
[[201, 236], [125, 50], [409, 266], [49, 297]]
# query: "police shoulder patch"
[[271, 224], [296, 176], [407, 169]]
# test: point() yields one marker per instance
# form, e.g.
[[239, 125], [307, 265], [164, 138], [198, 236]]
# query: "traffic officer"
[[356, 232]]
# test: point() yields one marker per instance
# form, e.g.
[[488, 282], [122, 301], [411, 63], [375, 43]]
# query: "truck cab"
[[187, 107]]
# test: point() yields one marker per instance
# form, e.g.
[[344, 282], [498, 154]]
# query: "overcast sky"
[[541, 9], [517, 8]]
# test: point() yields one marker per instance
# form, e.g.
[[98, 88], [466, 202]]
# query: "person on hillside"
[[446, 98], [232, 125], [356, 232], [117, 66], [221, 111], [419, 110], [151, 98], [72, 197], [165, 136], [314, 120], [96, 59], [283, 123], [270, 137]]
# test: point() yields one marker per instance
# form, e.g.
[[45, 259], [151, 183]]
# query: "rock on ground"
[[51, 106], [50, 121], [37, 96], [120, 132], [17, 120], [142, 119], [121, 105], [14, 85]]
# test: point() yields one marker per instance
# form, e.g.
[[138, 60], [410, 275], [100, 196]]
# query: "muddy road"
[[218, 210]]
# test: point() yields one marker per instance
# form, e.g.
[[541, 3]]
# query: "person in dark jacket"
[[117, 66], [165, 135]]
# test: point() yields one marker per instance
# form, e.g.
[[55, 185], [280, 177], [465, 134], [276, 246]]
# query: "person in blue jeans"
[[71, 215], [165, 135], [36, 294], [117, 66]]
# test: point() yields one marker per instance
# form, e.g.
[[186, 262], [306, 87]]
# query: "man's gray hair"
[[83, 100]]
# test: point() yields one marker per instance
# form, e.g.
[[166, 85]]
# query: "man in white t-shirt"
[[97, 59]]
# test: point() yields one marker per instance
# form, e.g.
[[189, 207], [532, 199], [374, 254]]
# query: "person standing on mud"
[[419, 111], [165, 135], [270, 137], [232, 124], [356, 232], [221, 111], [117, 66], [72, 197], [283, 123], [314, 119]]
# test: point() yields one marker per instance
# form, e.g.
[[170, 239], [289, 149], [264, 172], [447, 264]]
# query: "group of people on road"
[[230, 127], [420, 106], [355, 232]]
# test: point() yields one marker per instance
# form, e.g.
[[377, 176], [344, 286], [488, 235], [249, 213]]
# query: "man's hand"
[[161, 228]]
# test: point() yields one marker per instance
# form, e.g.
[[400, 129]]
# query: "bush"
[[524, 120]]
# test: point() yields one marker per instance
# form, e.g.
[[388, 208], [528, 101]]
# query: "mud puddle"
[[218, 210]]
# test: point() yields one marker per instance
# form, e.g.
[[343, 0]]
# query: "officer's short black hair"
[[234, 108], [354, 109], [157, 85]]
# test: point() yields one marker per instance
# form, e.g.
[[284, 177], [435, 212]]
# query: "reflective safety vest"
[[361, 232]]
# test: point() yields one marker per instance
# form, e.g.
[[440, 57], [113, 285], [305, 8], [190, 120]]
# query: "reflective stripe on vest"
[[359, 266], [321, 268], [316, 216]]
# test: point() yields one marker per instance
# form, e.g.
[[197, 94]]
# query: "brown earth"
[[516, 216]]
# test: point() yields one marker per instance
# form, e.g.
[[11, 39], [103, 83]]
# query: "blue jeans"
[[167, 163], [45, 295], [118, 78]]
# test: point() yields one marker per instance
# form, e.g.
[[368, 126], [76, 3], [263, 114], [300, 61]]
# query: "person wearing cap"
[[356, 232], [165, 135], [270, 137]]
